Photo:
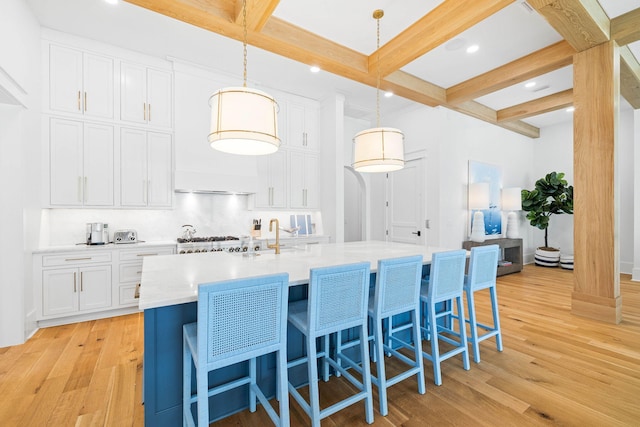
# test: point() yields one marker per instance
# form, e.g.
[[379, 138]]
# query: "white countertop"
[[109, 246], [174, 279]]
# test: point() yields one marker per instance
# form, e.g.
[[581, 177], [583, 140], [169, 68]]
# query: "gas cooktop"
[[207, 239]]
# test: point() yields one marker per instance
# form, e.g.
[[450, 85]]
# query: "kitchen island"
[[169, 294]]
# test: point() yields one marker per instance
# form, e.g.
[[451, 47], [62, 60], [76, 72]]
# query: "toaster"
[[125, 236]]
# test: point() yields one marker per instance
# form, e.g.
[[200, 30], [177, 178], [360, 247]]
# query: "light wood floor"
[[556, 369]]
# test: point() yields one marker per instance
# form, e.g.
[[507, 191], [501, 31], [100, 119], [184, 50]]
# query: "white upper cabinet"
[[80, 82], [303, 180], [81, 164], [302, 129], [145, 95], [272, 180], [145, 168]]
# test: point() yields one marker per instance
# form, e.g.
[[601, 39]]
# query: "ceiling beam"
[[584, 24], [258, 13], [443, 23], [629, 77], [287, 40], [532, 108], [537, 63], [625, 28]]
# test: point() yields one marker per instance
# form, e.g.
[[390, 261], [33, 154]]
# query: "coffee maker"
[[97, 233]]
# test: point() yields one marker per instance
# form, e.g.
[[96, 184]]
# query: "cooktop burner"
[[207, 239]]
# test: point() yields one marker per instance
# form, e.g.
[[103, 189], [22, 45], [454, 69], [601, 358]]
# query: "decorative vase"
[[547, 257], [566, 261]]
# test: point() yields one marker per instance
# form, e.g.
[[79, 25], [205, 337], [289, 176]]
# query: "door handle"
[[416, 232]]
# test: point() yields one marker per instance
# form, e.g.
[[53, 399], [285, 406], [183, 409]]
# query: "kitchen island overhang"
[[169, 293]]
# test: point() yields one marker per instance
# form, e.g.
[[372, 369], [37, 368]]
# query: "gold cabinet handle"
[[149, 112], [149, 254], [74, 282], [85, 101], [78, 259], [144, 111], [81, 282], [79, 108]]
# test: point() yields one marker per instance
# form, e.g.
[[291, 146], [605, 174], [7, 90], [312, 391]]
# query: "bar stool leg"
[[463, 333], [380, 371], [314, 393], [283, 390], [252, 376], [435, 350], [366, 373], [496, 317], [473, 324], [417, 348]]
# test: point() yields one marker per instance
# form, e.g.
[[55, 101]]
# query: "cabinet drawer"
[[129, 294], [75, 259], [138, 254], [130, 272]]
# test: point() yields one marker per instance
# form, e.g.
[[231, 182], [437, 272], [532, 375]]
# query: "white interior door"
[[405, 204]]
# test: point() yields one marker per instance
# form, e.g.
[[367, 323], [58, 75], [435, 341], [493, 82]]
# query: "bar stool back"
[[483, 266], [445, 287], [238, 320], [397, 291], [337, 300]]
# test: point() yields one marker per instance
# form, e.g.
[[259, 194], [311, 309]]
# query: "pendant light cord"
[[244, 41], [378, 72]]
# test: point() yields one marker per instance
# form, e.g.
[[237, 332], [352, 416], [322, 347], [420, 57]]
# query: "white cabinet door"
[[80, 83], [65, 79], [302, 126], [133, 167], [66, 178], [297, 179], [146, 161], [159, 164], [146, 95], [272, 180], [98, 165], [312, 190], [97, 96], [133, 93], [94, 287], [159, 98], [303, 180], [59, 291]]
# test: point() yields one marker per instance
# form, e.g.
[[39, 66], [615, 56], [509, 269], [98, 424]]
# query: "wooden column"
[[596, 88]]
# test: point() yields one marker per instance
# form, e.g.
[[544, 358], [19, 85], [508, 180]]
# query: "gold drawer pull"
[[147, 254], [77, 259]]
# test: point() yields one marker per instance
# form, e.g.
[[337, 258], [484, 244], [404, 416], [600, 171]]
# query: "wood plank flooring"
[[556, 369]]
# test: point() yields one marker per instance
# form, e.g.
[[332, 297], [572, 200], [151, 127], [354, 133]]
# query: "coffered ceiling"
[[422, 57]]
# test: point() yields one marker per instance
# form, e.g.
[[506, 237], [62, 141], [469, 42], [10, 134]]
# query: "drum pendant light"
[[244, 120], [379, 149]]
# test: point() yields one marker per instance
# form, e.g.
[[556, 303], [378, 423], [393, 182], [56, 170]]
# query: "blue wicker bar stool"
[[483, 266], [238, 320], [397, 291], [439, 294], [338, 298]]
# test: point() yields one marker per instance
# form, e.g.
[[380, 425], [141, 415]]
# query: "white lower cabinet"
[[89, 283], [71, 290], [130, 272]]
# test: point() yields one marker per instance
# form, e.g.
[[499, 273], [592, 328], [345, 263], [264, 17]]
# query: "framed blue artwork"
[[491, 174]]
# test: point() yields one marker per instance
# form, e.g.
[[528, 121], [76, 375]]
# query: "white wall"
[[20, 172], [636, 197], [450, 140]]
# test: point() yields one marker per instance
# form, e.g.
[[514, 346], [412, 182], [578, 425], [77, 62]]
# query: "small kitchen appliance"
[[125, 236], [97, 233]]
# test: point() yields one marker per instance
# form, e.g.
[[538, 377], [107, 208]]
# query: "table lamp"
[[478, 200], [511, 202]]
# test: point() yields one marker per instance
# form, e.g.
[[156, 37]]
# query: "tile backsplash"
[[210, 214]]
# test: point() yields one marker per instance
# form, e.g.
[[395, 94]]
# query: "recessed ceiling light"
[[112, 1], [314, 69], [455, 44], [530, 84], [570, 109], [473, 48], [388, 94]]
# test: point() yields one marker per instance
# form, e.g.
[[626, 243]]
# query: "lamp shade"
[[243, 121], [479, 196], [512, 199], [378, 150]]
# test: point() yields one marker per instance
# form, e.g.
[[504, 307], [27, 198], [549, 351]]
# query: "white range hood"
[[215, 183]]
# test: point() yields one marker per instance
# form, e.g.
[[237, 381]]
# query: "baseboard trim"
[[45, 323]]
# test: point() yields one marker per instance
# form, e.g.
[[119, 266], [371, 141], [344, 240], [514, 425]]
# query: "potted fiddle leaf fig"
[[551, 196]]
